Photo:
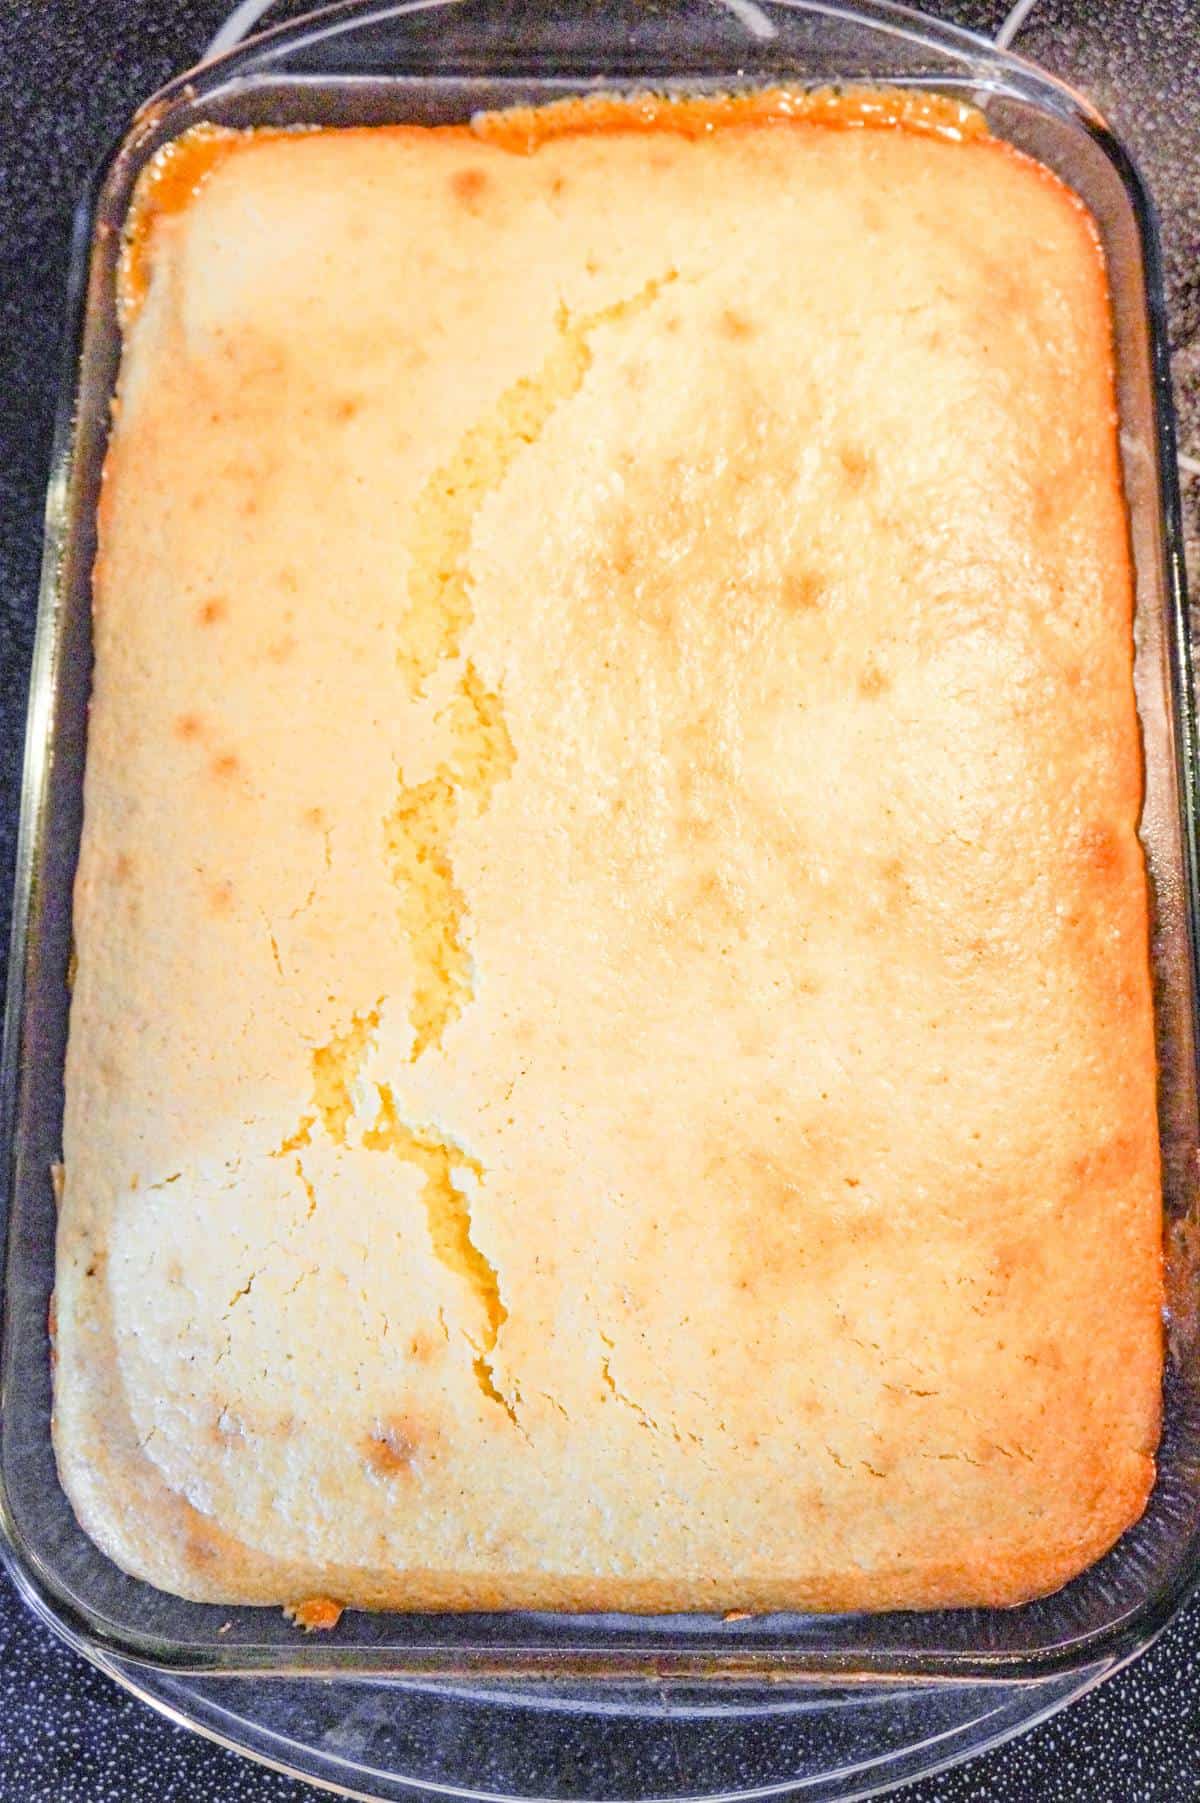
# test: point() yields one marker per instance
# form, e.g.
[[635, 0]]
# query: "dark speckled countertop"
[[71, 71]]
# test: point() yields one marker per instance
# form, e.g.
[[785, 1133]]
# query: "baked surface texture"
[[612, 1061]]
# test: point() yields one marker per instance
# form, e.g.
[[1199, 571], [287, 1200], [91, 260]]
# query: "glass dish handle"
[[238, 25]]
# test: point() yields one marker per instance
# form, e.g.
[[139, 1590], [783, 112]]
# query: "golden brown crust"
[[316, 1614], [526, 129], [611, 1062]]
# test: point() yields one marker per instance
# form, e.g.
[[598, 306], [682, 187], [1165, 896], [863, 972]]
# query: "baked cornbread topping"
[[611, 1062]]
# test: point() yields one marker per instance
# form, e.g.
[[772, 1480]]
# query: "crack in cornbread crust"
[[423, 820], [445, 510], [800, 1119]]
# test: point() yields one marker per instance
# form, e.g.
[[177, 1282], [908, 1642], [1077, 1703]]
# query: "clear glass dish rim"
[[993, 72]]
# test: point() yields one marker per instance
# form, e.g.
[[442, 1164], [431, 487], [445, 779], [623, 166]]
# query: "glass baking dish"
[[440, 60]]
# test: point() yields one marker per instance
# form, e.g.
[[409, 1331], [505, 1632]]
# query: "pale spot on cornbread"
[[188, 727], [228, 1428], [279, 650], [213, 611], [226, 766], [631, 553], [220, 897], [123, 867]]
